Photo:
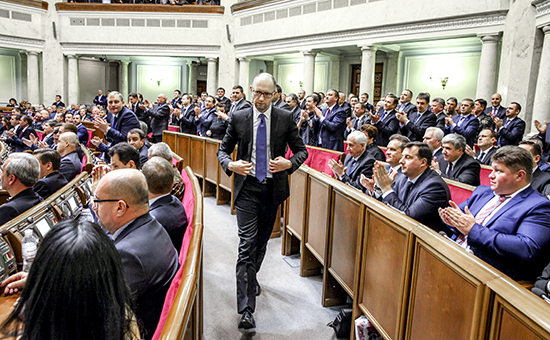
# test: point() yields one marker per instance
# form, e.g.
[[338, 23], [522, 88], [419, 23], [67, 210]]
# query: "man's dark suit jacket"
[[347, 108], [149, 262], [50, 184], [485, 121], [160, 114], [17, 141], [541, 182], [332, 128], [375, 152], [18, 204], [283, 131], [241, 104], [542, 281], [428, 194], [140, 114], [296, 113], [71, 166], [204, 122], [469, 128], [281, 105], [187, 120], [363, 165], [226, 102], [100, 100], [501, 111], [125, 121], [440, 120], [169, 211], [357, 123], [387, 126], [415, 131], [511, 134], [488, 155], [58, 104], [516, 239], [408, 108], [144, 154], [466, 170], [82, 134]]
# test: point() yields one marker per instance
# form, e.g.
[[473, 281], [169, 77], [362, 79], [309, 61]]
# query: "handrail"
[[188, 294], [99, 7]]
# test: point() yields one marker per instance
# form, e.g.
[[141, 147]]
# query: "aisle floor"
[[289, 306]]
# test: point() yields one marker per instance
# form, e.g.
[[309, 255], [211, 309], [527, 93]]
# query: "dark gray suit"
[[541, 182], [466, 170], [169, 211], [49, 184], [71, 166], [18, 204], [363, 165], [160, 114], [149, 261]]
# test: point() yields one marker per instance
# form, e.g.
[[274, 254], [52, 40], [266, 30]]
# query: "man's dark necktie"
[[261, 150], [449, 169], [350, 167], [408, 188]]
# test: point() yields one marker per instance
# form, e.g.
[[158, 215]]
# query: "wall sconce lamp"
[[158, 81], [443, 81]]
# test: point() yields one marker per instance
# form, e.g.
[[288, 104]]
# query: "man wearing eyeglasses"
[[261, 181], [149, 259]]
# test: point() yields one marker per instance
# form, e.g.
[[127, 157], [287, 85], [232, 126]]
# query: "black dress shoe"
[[247, 320], [258, 288]]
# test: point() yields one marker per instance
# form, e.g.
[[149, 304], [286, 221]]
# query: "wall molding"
[[34, 45], [135, 49]]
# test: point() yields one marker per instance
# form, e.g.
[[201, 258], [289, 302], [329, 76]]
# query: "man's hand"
[[197, 111], [14, 283], [470, 151], [33, 138], [96, 141], [498, 122], [374, 118], [402, 117], [100, 123], [97, 174], [27, 142], [541, 127], [381, 177], [449, 121], [318, 112], [337, 167], [279, 164], [435, 164], [348, 123], [367, 183], [240, 167], [10, 133], [453, 216]]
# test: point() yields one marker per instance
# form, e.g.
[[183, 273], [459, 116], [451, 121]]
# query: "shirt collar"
[[119, 230], [517, 191], [257, 113]]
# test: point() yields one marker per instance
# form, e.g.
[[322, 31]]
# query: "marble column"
[[33, 85], [270, 67], [392, 72], [24, 95], [244, 75], [73, 80], [368, 60], [123, 80], [211, 76], [309, 70], [541, 103], [487, 65], [192, 82], [335, 66]]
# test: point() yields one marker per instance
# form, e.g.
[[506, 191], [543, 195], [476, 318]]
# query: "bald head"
[[67, 143], [128, 185], [161, 98]]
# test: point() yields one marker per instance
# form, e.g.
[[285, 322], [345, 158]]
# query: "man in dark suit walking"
[[419, 191], [261, 181], [50, 179]]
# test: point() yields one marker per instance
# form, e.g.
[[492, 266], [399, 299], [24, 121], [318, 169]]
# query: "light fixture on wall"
[[443, 80], [295, 79], [158, 81]]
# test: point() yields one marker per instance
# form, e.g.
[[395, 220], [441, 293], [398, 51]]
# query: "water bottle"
[[29, 246]]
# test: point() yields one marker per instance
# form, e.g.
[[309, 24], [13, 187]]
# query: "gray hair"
[[403, 140], [159, 174], [360, 137], [437, 132], [458, 141], [25, 167], [116, 93], [161, 150]]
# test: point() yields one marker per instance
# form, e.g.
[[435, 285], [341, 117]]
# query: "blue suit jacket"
[[501, 111], [169, 211], [49, 184], [415, 131], [125, 121], [205, 120], [149, 262], [82, 134], [101, 100], [469, 128], [429, 193], [516, 240], [386, 126], [511, 134], [71, 166], [332, 129], [187, 120]]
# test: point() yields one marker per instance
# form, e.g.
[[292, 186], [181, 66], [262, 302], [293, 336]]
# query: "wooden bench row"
[[411, 282]]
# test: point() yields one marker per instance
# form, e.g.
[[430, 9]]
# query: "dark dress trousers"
[[466, 170], [256, 202], [187, 120], [424, 198], [46, 186], [387, 126], [511, 132], [160, 114], [169, 211], [18, 204], [149, 262], [515, 239], [71, 166]]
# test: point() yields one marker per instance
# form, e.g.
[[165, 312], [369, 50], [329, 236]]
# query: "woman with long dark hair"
[[75, 289]]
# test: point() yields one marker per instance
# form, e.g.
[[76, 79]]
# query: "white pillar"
[[335, 65], [541, 103], [211, 76], [192, 83], [24, 95], [392, 71], [368, 59], [73, 80], [244, 75], [309, 70], [123, 88], [487, 65], [32, 80]]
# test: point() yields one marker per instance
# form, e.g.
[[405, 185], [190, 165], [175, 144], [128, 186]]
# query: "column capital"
[[244, 59], [71, 56], [546, 29], [33, 53], [369, 47], [336, 58], [490, 37], [311, 53], [212, 60], [125, 62]]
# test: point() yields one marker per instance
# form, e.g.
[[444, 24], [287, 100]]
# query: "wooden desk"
[[6, 305]]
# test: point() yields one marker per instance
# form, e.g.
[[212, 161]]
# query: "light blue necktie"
[[261, 150]]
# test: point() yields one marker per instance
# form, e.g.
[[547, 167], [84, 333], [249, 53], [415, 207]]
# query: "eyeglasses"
[[266, 95], [96, 200]]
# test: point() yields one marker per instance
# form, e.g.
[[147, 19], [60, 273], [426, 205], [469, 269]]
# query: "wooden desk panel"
[[344, 239], [297, 202], [183, 144], [170, 139], [196, 159], [6, 305], [318, 208], [212, 167]]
